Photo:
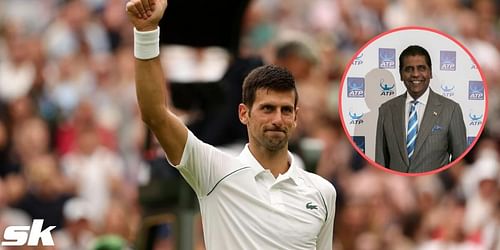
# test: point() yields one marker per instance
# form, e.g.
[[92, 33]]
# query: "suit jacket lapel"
[[398, 122], [431, 113]]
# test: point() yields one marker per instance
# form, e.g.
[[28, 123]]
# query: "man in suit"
[[420, 130]]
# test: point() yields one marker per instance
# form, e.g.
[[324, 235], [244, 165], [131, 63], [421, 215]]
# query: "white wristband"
[[146, 44]]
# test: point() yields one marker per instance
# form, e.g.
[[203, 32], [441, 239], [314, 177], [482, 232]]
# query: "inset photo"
[[413, 101]]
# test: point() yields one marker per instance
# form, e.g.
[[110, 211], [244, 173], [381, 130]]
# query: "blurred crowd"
[[74, 151]]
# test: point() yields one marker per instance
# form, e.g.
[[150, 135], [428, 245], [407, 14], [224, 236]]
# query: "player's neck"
[[275, 161]]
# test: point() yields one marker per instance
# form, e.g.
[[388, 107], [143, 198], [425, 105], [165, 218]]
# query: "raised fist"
[[145, 15]]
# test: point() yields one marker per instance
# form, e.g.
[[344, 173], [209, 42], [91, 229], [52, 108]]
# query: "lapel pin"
[[435, 113]]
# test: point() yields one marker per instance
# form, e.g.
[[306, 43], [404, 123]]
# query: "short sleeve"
[[203, 166]]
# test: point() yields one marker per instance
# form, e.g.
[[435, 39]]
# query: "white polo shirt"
[[243, 206]]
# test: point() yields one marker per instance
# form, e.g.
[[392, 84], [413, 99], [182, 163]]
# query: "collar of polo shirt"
[[247, 157]]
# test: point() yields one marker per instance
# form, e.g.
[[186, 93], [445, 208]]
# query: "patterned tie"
[[411, 135]]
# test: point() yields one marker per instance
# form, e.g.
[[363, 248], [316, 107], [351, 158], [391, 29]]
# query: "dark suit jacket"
[[441, 134]]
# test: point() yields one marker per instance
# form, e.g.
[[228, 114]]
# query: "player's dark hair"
[[270, 77]]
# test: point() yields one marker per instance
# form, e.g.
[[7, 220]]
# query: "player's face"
[[271, 119], [416, 75]]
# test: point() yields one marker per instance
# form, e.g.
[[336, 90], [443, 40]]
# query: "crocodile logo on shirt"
[[311, 206]]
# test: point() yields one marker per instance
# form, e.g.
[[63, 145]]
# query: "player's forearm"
[[151, 90], [145, 16]]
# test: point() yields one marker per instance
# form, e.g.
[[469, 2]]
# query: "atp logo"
[[448, 91], [476, 90], [475, 119], [448, 60], [470, 140], [386, 58], [358, 60], [356, 118], [356, 87], [387, 90], [360, 142], [20, 235]]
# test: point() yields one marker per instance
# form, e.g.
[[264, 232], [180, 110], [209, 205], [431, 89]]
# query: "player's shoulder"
[[322, 184]]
